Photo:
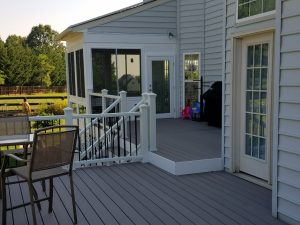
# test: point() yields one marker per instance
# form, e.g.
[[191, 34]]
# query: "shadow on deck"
[[143, 194]]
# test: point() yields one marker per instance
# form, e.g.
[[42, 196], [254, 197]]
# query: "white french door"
[[256, 76], [160, 81]]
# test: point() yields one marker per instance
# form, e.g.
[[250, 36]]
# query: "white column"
[[104, 92], [89, 101], [144, 138], [68, 115], [151, 101]]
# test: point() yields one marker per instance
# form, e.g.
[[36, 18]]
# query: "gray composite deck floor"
[[143, 194], [185, 140]]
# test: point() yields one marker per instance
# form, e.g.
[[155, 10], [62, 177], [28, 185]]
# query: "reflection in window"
[[247, 8], [191, 78], [117, 70]]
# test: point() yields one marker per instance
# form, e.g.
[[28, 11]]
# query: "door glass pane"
[[250, 55], [264, 76], [262, 148], [257, 56], [249, 102], [248, 145], [256, 100], [265, 52], [249, 123], [256, 124], [263, 102], [250, 79], [191, 92], [161, 85], [256, 79], [255, 147], [263, 127]]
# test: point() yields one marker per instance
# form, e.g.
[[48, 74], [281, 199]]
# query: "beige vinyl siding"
[[236, 29], [288, 199], [161, 19]]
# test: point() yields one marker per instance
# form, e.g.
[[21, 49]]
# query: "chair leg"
[[3, 191], [36, 197], [50, 209], [31, 192], [73, 199]]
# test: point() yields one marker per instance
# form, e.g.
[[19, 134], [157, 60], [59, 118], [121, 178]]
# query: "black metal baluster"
[[118, 136], [92, 130], [98, 128], [135, 130], [129, 124], [112, 136], [85, 139], [124, 136], [105, 141], [79, 143]]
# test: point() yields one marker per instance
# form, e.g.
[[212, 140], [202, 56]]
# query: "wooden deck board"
[[185, 140], [143, 194]]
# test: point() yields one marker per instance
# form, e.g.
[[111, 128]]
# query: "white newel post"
[[151, 100], [123, 95], [104, 92], [123, 108], [89, 103], [144, 145], [68, 115]]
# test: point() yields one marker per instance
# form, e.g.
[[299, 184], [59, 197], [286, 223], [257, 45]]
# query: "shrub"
[[56, 108]]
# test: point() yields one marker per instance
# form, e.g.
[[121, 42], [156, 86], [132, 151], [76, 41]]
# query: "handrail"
[[43, 118], [106, 96], [105, 115]]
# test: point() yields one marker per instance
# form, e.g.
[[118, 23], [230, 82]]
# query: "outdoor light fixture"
[[171, 35]]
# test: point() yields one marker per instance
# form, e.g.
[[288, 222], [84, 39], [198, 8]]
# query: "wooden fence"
[[28, 90]]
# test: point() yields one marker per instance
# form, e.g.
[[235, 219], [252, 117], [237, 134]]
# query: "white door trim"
[[237, 98], [172, 78]]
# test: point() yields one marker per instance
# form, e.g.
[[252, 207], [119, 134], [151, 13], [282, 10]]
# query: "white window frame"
[[183, 74], [273, 12]]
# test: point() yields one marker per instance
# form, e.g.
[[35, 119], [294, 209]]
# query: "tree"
[[41, 71], [42, 36], [18, 61], [2, 61], [42, 39]]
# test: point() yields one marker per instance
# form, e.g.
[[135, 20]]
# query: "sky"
[[19, 16]]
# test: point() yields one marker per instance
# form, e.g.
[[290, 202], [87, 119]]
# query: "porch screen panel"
[[129, 71], [71, 72], [80, 73], [104, 70]]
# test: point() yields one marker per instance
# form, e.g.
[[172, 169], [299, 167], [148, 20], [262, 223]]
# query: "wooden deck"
[[143, 194], [186, 140]]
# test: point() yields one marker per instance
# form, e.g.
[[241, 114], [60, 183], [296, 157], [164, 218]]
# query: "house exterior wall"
[[287, 138], [233, 31], [200, 30], [157, 20]]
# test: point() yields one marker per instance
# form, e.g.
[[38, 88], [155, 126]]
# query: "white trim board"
[[185, 167]]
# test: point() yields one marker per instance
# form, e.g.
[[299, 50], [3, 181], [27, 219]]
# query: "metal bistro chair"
[[14, 128], [52, 156]]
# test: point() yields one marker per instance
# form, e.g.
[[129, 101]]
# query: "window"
[[117, 70], [71, 70], [249, 8], [191, 63], [80, 73]]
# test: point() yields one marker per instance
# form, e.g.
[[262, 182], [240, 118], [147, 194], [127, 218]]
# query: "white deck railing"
[[113, 137]]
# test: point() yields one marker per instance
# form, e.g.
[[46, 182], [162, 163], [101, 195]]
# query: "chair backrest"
[[53, 147], [14, 127]]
